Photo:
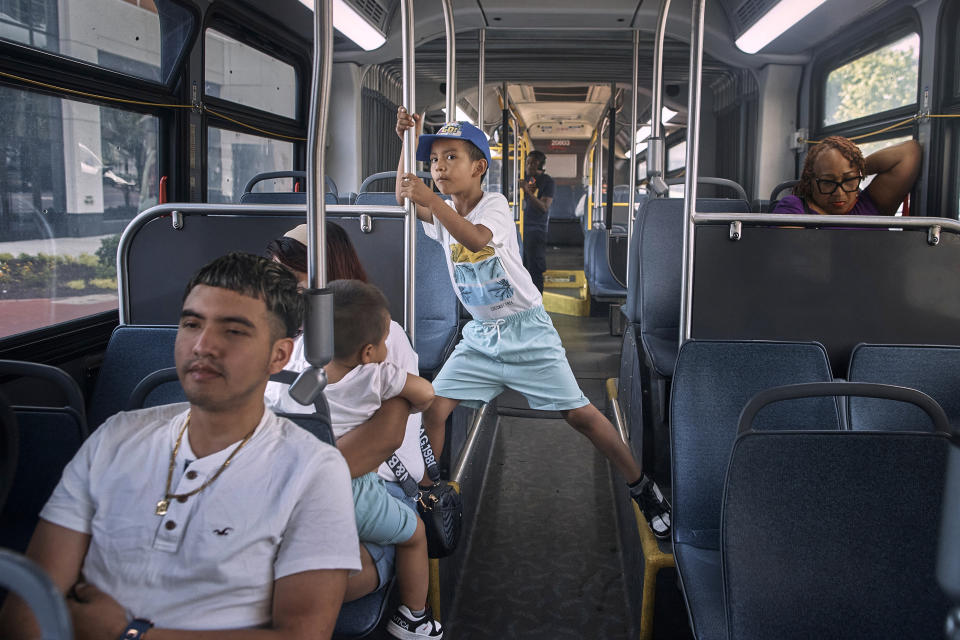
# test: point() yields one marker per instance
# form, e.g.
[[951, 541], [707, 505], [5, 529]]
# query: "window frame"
[[271, 41], [945, 133], [865, 41], [274, 44], [47, 344], [71, 73]]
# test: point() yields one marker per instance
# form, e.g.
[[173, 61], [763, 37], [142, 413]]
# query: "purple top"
[[865, 206]]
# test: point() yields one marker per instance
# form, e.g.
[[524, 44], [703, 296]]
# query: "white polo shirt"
[[400, 353], [284, 505]]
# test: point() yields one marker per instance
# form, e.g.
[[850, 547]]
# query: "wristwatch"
[[136, 629]]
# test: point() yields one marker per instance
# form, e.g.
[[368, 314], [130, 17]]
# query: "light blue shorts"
[[520, 352], [383, 555], [381, 518]]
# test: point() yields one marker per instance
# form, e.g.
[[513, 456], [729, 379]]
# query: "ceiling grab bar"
[[410, 166], [632, 200], [656, 160], [693, 152], [318, 300]]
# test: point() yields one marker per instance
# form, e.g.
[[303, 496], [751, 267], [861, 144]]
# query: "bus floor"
[[545, 556]]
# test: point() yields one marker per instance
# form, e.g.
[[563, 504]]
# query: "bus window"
[[239, 73], [120, 35], [879, 81], [677, 156], [74, 174], [233, 158]]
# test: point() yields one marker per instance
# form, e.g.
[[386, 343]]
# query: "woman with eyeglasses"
[[834, 170]]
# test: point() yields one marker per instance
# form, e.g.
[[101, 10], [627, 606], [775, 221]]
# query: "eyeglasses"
[[826, 187]]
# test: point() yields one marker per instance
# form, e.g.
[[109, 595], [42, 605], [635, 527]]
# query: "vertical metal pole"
[[598, 175], [316, 149], [693, 152], [318, 301], [656, 160], [451, 61], [504, 152], [516, 167], [632, 181], [483, 77], [410, 165], [611, 154]]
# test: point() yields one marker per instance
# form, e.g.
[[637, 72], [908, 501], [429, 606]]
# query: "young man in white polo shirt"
[[213, 519]]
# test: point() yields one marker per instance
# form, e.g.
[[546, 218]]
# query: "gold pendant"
[[162, 507]]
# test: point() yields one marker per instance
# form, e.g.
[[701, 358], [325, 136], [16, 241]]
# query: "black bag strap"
[[403, 476], [433, 471], [429, 460]]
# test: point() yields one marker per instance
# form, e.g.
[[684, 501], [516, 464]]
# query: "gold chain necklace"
[[167, 497]]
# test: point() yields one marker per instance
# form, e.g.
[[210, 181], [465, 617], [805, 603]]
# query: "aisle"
[[545, 560]]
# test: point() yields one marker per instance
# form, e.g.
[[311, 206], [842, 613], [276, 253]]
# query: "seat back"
[[48, 437], [21, 576], [437, 306], [132, 353], [163, 387], [655, 302], [935, 370], [833, 535], [712, 383], [564, 203]]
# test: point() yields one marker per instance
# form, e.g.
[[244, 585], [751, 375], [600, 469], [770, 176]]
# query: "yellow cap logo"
[[451, 129]]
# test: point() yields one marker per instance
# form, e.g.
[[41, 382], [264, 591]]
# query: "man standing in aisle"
[[538, 191]]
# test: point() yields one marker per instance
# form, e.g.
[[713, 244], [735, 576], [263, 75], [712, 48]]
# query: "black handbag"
[[439, 505]]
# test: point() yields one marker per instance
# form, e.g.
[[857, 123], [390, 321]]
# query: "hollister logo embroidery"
[[451, 129], [224, 531]]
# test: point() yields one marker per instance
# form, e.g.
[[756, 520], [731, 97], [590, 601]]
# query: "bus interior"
[[773, 372]]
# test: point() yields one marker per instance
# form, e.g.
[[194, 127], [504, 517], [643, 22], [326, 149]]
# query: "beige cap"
[[298, 233]]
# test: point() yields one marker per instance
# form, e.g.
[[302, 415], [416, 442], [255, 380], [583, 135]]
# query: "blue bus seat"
[[833, 535], [132, 353], [652, 313], [358, 618], [23, 577], [712, 383], [600, 281], [935, 370], [47, 438], [658, 273]]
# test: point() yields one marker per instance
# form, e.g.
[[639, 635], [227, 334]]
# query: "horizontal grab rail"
[[178, 209], [789, 219], [466, 454]]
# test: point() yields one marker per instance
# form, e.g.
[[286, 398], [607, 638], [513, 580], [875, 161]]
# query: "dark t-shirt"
[[532, 215]]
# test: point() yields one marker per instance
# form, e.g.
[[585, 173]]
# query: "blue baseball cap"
[[458, 131]]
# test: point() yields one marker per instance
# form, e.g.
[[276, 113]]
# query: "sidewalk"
[[54, 246]]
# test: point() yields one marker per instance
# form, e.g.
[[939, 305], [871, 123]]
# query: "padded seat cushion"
[[702, 577]]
